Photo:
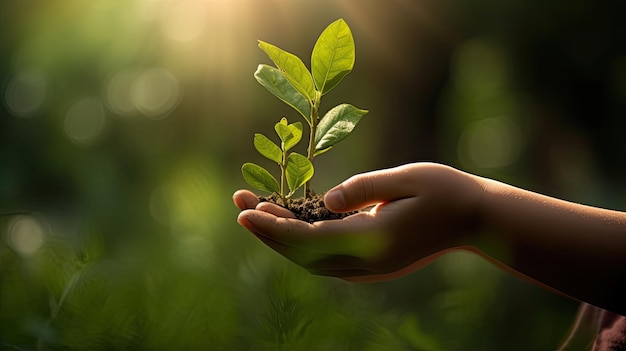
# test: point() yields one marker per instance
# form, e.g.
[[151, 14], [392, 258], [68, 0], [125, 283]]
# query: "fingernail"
[[334, 200]]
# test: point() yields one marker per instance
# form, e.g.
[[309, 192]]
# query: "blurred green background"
[[124, 123]]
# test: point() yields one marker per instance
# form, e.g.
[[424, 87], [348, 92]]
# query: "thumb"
[[370, 188]]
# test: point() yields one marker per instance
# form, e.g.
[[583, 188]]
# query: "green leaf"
[[267, 148], [336, 125], [290, 134], [333, 56], [292, 67], [299, 171], [319, 152], [275, 82], [284, 133], [259, 178], [296, 131]]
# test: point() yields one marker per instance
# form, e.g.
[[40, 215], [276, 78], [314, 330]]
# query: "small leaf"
[[283, 132], [267, 148], [299, 171], [319, 152], [259, 178], [296, 130], [290, 134], [275, 82], [292, 67], [336, 125], [333, 56]]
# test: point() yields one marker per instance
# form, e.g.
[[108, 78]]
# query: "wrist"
[[461, 201], [478, 235]]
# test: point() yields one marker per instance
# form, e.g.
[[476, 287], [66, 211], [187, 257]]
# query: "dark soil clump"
[[307, 209]]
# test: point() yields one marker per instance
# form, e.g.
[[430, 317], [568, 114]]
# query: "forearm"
[[575, 249]]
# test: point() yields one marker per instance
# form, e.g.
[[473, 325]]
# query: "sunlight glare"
[[186, 21]]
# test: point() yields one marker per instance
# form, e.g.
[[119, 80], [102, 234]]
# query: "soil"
[[310, 209]]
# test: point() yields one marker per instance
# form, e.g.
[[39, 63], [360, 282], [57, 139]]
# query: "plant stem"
[[311, 151], [283, 175]]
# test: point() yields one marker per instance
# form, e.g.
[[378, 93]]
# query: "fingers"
[[257, 222], [350, 248], [356, 235], [274, 209], [371, 188], [320, 263], [245, 199], [268, 224], [300, 257]]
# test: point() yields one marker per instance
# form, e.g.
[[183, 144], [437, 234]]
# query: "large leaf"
[[292, 67], [336, 125], [267, 148], [333, 56], [290, 134], [299, 171], [275, 82], [259, 178]]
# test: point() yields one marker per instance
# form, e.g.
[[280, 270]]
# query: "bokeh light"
[[24, 234], [118, 93], [490, 143], [26, 93], [153, 93], [85, 120], [483, 109]]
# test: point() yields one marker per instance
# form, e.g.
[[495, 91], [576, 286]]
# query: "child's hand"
[[419, 212]]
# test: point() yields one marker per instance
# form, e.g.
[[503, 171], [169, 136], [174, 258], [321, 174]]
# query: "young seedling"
[[295, 169], [291, 81]]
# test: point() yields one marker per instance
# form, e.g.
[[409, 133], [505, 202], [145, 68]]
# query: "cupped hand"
[[417, 212]]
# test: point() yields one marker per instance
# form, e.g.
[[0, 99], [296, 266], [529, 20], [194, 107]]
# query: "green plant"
[[291, 81]]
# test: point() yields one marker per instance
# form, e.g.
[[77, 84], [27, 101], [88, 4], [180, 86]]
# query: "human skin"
[[414, 213]]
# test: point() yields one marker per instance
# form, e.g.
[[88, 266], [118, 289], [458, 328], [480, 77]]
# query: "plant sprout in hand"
[[291, 81]]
